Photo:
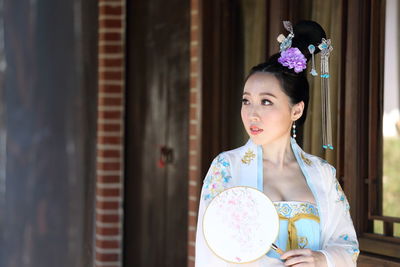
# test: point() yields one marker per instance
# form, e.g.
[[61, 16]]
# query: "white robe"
[[243, 166]]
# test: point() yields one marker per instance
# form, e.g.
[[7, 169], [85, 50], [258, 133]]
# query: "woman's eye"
[[245, 101], [266, 102]]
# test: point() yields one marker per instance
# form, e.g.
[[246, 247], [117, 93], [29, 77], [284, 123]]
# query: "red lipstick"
[[254, 130]]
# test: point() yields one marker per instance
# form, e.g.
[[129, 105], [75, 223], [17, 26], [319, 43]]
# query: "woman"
[[315, 224]]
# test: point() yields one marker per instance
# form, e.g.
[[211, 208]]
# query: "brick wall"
[[194, 127], [110, 134]]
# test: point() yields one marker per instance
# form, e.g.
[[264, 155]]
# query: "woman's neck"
[[278, 153]]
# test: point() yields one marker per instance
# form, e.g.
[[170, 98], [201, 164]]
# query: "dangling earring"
[[294, 129]]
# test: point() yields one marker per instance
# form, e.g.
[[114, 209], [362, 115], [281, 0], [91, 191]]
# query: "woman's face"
[[267, 112]]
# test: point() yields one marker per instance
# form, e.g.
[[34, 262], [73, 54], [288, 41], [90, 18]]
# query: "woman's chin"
[[258, 140]]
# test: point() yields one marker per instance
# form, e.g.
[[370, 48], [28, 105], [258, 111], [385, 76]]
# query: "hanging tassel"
[[326, 49]]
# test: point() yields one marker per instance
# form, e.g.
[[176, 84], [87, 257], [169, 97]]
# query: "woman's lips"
[[254, 130]]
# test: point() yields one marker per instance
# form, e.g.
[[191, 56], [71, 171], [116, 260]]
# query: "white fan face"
[[240, 224]]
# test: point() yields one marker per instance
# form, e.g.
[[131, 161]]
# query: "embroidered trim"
[[293, 209], [353, 250], [341, 197], [248, 157], [306, 160], [218, 178], [302, 241], [292, 212]]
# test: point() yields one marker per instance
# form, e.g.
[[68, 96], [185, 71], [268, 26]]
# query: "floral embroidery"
[[306, 160], [302, 241], [323, 161], [218, 178], [354, 246], [291, 209], [341, 197], [248, 157]]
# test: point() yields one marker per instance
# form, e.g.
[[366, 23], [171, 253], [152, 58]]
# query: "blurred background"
[[111, 112]]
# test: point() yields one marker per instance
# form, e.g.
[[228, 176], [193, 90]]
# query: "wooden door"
[[155, 225]]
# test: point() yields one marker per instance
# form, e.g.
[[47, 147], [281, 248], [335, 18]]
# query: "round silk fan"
[[240, 224]]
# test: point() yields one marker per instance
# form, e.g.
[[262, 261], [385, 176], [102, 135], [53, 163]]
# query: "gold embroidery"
[[248, 157], [306, 160], [355, 256], [303, 241], [293, 240]]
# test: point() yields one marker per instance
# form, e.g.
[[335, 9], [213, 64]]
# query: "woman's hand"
[[304, 258]]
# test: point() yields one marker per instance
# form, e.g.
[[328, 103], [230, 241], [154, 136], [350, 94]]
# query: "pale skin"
[[268, 116]]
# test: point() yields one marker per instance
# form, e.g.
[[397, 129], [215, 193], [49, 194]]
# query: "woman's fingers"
[[297, 260], [295, 252]]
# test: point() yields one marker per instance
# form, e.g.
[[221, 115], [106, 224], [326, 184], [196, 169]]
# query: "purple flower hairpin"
[[293, 59]]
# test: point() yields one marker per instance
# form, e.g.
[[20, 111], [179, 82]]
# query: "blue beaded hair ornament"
[[296, 60]]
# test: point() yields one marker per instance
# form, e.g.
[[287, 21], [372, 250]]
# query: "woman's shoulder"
[[219, 176], [318, 162], [323, 174]]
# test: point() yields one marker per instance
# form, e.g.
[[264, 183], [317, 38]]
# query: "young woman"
[[315, 224]]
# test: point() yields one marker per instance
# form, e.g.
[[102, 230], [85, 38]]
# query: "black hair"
[[295, 85]]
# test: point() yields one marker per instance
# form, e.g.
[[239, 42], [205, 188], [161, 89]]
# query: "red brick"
[[106, 153], [111, 244], [193, 97], [191, 250], [193, 83], [111, 62], [194, 51], [193, 113], [110, 36], [113, 140], [110, 10], [194, 67], [110, 23], [111, 75], [107, 257], [193, 190], [194, 35], [107, 231], [107, 218], [194, 19], [110, 88], [194, 5], [108, 101], [192, 235], [192, 129], [108, 179], [110, 49], [107, 205], [192, 221], [110, 114], [109, 166], [108, 192], [108, 127], [193, 160], [193, 144], [193, 205]]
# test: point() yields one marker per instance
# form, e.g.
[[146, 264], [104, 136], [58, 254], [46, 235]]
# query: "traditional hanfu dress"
[[325, 226]]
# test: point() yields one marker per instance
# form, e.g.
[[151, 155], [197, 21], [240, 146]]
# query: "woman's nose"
[[253, 114]]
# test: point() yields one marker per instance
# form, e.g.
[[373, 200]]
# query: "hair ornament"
[[292, 58], [311, 49], [326, 49], [286, 42]]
